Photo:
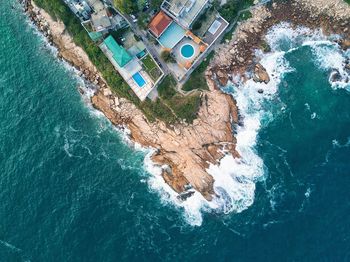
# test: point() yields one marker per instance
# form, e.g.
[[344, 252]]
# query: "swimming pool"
[[187, 51], [172, 35], [140, 81]]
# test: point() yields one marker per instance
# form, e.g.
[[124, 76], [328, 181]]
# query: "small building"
[[80, 8], [99, 18], [159, 24]]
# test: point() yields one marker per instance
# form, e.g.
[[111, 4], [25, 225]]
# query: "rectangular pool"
[[140, 81], [172, 35]]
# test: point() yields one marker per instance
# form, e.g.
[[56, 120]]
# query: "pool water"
[[139, 79], [187, 51]]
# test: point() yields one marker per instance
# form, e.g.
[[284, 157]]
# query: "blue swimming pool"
[[187, 51], [140, 81], [172, 35]]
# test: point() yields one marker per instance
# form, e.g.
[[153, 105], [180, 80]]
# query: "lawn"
[[150, 66]]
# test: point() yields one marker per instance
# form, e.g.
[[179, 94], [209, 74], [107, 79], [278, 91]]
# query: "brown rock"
[[260, 74]]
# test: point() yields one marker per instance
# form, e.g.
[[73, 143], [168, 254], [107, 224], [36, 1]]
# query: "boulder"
[[345, 43], [260, 74], [335, 76]]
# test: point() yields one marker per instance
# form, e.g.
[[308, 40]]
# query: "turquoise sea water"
[[72, 189]]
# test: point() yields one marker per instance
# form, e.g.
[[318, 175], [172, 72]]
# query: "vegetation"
[[265, 47], [166, 89], [348, 1], [197, 78], [245, 15], [184, 107], [230, 9], [229, 34], [155, 4], [167, 57], [152, 110], [202, 23], [151, 67], [126, 6], [142, 21], [118, 34]]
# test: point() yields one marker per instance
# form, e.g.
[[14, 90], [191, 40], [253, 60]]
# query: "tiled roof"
[[159, 23], [119, 53]]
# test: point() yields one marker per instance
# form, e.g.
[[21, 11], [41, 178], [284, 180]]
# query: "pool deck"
[[182, 61]]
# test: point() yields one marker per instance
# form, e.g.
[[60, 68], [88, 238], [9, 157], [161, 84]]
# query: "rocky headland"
[[185, 151], [238, 56]]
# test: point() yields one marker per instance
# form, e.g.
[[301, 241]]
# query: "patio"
[[180, 58]]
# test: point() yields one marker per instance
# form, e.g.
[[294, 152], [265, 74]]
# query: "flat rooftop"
[[215, 30], [184, 11]]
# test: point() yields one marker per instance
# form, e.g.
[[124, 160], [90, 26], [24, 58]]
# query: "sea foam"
[[236, 178]]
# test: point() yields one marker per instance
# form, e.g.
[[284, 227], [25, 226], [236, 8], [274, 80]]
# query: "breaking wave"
[[328, 55], [235, 178]]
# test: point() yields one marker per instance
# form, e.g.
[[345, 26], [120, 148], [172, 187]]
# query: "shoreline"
[[238, 56], [186, 151]]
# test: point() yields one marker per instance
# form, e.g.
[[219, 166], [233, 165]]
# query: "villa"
[[171, 28], [135, 65]]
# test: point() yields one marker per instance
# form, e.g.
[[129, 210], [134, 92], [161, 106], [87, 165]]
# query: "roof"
[[159, 23], [119, 54], [100, 20]]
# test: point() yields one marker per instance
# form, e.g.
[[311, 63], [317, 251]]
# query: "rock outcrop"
[[186, 149], [238, 55], [260, 74]]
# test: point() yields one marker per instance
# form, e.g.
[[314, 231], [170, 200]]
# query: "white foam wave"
[[331, 58], [192, 206], [235, 178], [328, 54]]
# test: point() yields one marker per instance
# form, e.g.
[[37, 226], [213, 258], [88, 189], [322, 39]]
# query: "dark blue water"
[[72, 189]]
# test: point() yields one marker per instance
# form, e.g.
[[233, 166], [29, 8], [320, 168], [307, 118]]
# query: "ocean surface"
[[73, 188]]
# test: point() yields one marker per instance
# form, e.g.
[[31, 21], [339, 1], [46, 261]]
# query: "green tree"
[[155, 4], [124, 6], [167, 57]]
